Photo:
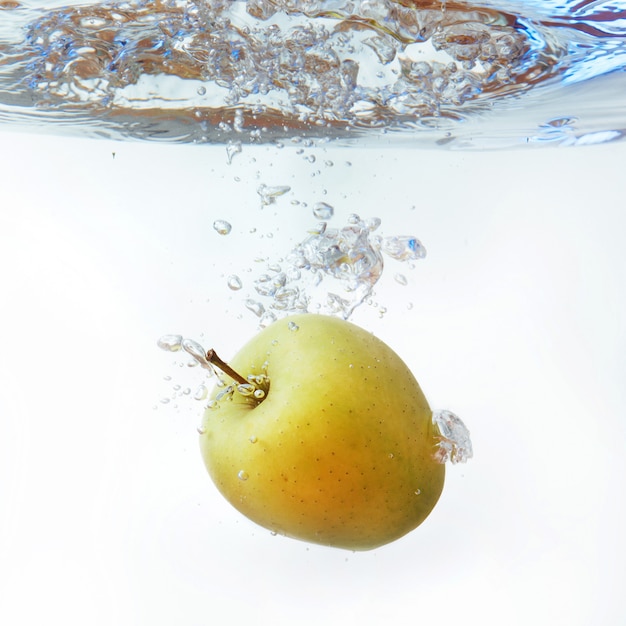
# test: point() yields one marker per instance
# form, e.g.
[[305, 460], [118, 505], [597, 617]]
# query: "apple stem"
[[212, 357]]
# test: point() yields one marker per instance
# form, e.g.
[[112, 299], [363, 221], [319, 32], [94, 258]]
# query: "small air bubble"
[[454, 438], [246, 390], [171, 343], [323, 211], [256, 307], [196, 351], [242, 475], [201, 430], [234, 282], [259, 394], [292, 326], [269, 194], [201, 393], [253, 439], [373, 224], [267, 319], [401, 279], [226, 393], [418, 492], [403, 248], [320, 229], [201, 91], [222, 227]]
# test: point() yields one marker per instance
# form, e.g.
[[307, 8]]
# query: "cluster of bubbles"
[[332, 271], [292, 64], [255, 389]]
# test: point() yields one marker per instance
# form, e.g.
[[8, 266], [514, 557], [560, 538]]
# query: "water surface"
[[418, 72]]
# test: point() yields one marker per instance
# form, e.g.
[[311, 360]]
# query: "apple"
[[323, 434]]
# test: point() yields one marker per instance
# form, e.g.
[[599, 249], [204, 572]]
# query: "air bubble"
[[201, 393], [267, 319], [403, 248], [246, 390], [222, 227], [259, 394], [226, 393], [269, 194], [323, 211], [373, 223], [243, 475], [292, 326], [401, 279], [201, 430], [256, 307], [253, 439], [171, 343], [197, 352], [234, 282], [383, 47], [233, 148], [454, 438]]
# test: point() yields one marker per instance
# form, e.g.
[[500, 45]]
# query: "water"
[[434, 73], [513, 320]]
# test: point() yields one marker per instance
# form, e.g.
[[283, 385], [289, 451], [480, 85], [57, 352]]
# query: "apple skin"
[[340, 452]]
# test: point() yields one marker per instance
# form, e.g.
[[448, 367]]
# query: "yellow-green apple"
[[331, 441]]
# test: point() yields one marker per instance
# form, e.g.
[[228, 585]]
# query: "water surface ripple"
[[412, 72]]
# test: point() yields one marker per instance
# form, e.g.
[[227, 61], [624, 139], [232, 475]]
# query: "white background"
[[517, 324]]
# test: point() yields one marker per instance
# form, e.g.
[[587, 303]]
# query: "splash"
[[255, 70]]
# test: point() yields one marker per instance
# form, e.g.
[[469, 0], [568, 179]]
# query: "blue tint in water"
[[424, 72]]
